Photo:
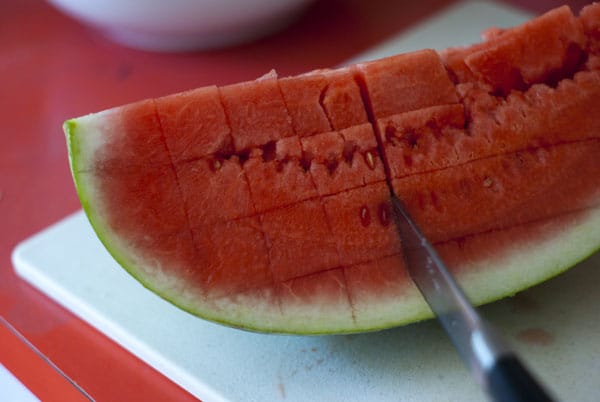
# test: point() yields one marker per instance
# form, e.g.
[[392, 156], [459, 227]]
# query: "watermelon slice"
[[265, 205]]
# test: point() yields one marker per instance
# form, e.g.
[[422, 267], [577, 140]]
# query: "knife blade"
[[494, 366]]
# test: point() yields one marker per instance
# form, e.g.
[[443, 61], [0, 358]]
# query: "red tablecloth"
[[53, 68]]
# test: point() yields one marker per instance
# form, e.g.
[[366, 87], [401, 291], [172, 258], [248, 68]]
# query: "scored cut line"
[[322, 204]]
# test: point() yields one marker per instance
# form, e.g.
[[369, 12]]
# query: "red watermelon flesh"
[[511, 60], [323, 101], [274, 170], [343, 160], [256, 113], [194, 124], [590, 19], [265, 204]]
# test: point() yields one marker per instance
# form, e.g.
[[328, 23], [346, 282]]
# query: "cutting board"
[[554, 326]]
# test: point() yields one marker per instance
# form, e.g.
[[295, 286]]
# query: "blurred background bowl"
[[183, 25]]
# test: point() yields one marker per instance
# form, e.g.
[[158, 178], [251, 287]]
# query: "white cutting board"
[[554, 326]]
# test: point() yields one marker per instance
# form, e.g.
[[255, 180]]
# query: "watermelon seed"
[[487, 182], [332, 165], [243, 155], [411, 139], [269, 151], [306, 160], [348, 152], [370, 160], [384, 214], [216, 165], [365, 216]]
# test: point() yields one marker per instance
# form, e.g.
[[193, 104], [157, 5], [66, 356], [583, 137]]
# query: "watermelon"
[[264, 205]]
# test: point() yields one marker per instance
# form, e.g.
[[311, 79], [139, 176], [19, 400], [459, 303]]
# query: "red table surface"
[[53, 68]]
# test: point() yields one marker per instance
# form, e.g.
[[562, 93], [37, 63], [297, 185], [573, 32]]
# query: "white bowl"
[[181, 25]]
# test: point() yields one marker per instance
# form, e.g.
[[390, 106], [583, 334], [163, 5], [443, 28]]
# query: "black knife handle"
[[509, 381]]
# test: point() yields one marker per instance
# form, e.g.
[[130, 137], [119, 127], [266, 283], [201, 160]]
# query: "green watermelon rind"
[[486, 281], [75, 154], [75, 135], [521, 268]]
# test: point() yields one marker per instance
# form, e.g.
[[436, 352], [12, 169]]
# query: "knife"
[[495, 367]]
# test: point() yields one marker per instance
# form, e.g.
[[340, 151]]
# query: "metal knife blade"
[[491, 362]]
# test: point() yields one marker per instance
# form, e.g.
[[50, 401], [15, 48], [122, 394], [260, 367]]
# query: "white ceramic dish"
[[182, 25]]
